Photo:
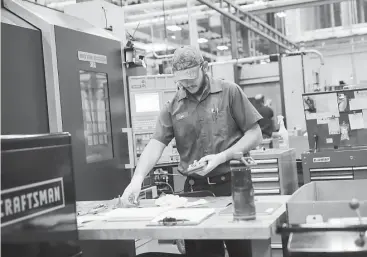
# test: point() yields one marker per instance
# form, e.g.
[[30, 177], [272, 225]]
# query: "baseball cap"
[[186, 63]]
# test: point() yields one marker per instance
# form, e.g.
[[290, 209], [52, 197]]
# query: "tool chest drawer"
[[331, 174], [275, 171]]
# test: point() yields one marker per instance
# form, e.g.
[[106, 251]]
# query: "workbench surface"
[[218, 226]]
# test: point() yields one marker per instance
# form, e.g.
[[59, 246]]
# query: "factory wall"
[[347, 63], [223, 71], [100, 14]]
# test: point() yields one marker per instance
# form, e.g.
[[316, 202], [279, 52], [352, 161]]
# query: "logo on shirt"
[[25, 202], [181, 116]]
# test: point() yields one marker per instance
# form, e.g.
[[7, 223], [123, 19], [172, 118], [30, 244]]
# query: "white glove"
[[130, 196]]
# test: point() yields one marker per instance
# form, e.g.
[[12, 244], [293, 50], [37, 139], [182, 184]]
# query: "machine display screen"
[[96, 116], [147, 102]]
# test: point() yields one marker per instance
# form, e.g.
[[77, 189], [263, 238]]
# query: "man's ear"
[[205, 66]]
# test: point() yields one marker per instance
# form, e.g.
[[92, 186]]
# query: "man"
[[266, 123], [211, 120]]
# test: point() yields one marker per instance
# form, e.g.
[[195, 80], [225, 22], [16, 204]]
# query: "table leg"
[[261, 248], [285, 238]]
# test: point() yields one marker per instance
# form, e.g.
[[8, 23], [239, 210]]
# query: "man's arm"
[[246, 117], [250, 140], [148, 159], [154, 149]]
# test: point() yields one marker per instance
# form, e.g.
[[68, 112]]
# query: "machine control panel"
[[148, 95]]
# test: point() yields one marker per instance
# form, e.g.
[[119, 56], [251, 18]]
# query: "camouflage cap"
[[186, 62]]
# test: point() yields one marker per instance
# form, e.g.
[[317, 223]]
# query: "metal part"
[[254, 24]]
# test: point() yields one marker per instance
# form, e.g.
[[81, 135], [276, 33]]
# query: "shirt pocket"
[[218, 121]]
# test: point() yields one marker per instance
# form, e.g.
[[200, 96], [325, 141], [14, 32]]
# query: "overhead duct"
[[269, 57]]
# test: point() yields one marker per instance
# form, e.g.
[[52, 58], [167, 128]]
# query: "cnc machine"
[[64, 75], [81, 78]]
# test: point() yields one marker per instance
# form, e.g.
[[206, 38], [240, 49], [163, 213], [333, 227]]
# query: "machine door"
[[93, 111]]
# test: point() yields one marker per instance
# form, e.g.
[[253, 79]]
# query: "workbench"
[[218, 226]]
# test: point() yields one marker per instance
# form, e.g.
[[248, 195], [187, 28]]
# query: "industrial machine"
[[337, 134], [37, 195], [326, 219], [23, 96], [64, 75], [77, 87], [148, 95]]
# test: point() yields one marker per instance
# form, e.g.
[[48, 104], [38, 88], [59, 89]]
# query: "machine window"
[[96, 116]]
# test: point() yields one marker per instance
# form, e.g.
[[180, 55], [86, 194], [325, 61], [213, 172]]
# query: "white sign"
[[28, 201], [89, 57], [321, 159]]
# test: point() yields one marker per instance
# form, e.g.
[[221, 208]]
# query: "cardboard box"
[[323, 200]]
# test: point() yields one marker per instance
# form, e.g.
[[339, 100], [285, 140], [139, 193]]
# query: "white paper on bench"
[[131, 214]]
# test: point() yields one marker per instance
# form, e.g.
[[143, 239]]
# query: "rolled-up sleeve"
[[242, 110], [164, 129]]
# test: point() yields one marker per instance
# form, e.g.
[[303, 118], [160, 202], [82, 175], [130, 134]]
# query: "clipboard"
[[182, 217]]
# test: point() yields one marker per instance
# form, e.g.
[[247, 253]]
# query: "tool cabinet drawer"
[[259, 170], [266, 163], [270, 191], [331, 174], [266, 187]]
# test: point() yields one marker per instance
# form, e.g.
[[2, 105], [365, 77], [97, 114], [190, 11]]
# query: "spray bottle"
[[283, 133]]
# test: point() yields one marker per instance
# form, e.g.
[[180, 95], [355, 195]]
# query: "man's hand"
[[214, 160], [131, 194]]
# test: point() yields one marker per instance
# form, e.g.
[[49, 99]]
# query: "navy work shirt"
[[209, 126]]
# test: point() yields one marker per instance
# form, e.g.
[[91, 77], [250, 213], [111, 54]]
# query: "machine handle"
[[129, 133], [285, 228]]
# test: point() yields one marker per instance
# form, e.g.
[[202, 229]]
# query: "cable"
[[167, 184], [105, 16]]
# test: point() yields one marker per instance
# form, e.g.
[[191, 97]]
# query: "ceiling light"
[[174, 28], [202, 40], [281, 14], [259, 2], [173, 37], [222, 47]]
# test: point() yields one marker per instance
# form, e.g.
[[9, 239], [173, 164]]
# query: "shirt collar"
[[214, 84]]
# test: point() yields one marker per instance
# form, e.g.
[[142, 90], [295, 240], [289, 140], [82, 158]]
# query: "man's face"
[[193, 85]]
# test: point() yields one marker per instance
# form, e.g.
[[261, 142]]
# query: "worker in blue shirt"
[[211, 120]]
